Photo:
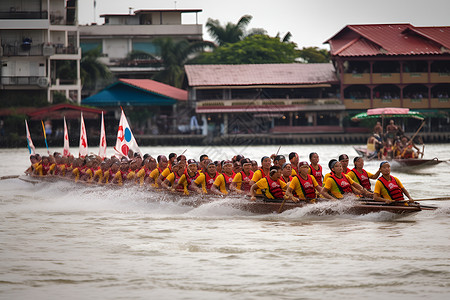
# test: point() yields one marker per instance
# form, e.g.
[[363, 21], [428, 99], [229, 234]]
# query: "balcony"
[[440, 77], [25, 81], [357, 78], [415, 77], [386, 78], [268, 105], [23, 15], [17, 49]]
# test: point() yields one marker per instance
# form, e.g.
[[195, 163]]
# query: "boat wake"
[[66, 197]]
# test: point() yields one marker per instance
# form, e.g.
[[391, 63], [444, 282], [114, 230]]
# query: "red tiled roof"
[[158, 88], [260, 74], [61, 110], [389, 39]]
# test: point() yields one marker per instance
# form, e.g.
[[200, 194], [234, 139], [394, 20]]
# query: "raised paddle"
[[278, 150], [412, 139]]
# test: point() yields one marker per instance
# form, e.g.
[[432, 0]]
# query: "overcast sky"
[[311, 22]]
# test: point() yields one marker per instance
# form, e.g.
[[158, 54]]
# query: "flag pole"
[[45, 136]]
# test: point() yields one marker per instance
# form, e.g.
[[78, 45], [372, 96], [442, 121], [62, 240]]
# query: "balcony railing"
[[24, 80], [15, 15], [22, 50], [37, 50]]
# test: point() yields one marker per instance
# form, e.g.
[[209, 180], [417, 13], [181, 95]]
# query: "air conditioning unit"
[[43, 81]]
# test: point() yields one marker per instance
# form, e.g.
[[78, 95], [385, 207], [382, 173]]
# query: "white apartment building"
[[122, 33], [36, 38]]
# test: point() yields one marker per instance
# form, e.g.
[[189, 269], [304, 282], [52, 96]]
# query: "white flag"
[[102, 146], [83, 139], [125, 139], [66, 151], [29, 141]]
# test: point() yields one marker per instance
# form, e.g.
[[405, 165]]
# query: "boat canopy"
[[391, 112]]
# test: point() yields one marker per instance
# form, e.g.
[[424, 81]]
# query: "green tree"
[[255, 49], [93, 70], [174, 55], [230, 33], [314, 55]]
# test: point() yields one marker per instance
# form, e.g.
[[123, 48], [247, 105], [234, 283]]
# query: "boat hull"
[[265, 206], [401, 163]]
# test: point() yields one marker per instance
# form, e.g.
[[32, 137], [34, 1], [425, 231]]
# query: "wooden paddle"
[[434, 199], [278, 150], [423, 123], [9, 177]]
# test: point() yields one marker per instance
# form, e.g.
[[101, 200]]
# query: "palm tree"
[[230, 33], [93, 70], [174, 55]]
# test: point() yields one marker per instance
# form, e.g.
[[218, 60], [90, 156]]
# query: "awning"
[[390, 112]]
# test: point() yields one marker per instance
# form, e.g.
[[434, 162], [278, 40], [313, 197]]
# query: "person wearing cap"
[[272, 185], [286, 172], [221, 184], [314, 168], [305, 185], [279, 160], [339, 184], [262, 172], [154, 175], [241, 181], [388, 188], [294, 159], [188, 177], [344, 160], [361, 176], [206, 179]]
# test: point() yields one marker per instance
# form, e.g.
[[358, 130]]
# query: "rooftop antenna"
[[95, 14], [175, 4]]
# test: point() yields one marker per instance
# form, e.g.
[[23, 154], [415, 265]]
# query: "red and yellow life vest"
[[274, 188], [210, 180], [342, 184], [394, 191], [363, 178], [318, 175], [307, 187]]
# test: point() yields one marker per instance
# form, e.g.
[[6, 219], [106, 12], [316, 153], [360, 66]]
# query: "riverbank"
[[231, 139]]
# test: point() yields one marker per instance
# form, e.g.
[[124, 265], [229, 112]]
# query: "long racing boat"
[[318, 206]]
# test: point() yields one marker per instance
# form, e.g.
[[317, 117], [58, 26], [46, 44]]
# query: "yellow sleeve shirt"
[[296, 186], [264, 185], [201, 180], [381, 190], [238, 180], [220, 183], [331, 186]]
